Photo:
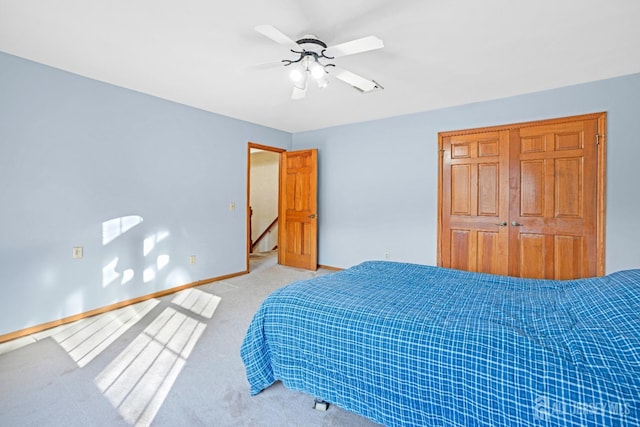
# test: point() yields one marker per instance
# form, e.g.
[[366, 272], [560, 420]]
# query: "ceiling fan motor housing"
[[311, 39]]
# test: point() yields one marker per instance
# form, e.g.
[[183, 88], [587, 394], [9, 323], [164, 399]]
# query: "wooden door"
[[553, 213], [475, 198], [524, 200], [298, 219]]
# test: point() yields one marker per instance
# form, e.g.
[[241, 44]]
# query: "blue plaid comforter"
[[405, 344]]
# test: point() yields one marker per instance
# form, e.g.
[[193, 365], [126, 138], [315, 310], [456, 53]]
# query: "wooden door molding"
[[250, 146], [516, 126], [601, 193], [561, 146]]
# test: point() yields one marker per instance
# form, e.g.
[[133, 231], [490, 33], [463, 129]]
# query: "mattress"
[[407, 344]]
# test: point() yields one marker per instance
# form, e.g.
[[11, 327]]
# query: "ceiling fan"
[[312, 60]]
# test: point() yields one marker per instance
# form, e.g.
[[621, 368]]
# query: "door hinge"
[[598, 136]]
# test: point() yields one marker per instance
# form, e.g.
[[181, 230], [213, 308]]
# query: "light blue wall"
[[76, 155], [378, 180]]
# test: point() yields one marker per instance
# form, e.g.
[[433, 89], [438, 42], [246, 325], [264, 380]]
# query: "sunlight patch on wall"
[[116, 227], [127, 275], [109, 273], [148, 274], [150, 242], [87, 338], [139, 379], [162, 261]]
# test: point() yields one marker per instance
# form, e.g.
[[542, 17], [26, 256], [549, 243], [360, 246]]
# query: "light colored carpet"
[[172, 361]]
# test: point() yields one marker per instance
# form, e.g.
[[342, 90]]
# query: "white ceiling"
[[437, 53]]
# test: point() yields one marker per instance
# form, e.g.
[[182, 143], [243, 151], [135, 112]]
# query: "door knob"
[[516, 224], [312, 216], [502, 224]]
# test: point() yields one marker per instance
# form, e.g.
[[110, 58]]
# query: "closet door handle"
[[516, 224], [502, 224]]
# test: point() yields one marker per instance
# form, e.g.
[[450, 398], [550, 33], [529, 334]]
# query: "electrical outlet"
[[320, 405], [387, 255], [192, 259], [77, 252]]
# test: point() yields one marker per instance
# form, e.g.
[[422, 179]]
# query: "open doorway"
[[263, 174]]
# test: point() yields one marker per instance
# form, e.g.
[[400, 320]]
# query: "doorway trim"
[[279, 151]]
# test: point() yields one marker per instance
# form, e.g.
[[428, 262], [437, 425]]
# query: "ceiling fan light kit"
[[317, 71], [297, 75], [308, 65], [313, 56]]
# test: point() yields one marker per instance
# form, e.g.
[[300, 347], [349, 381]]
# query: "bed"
[[406, 344]]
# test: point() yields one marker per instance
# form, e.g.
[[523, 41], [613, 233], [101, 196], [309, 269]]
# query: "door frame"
[[279, 151], [601, 141]]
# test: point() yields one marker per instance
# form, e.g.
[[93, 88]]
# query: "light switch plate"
[[78, 252]]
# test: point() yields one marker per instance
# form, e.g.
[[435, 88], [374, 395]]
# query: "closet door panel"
[[532, 252], [568, 256], [556, 193], [475, 202], [524, 200]]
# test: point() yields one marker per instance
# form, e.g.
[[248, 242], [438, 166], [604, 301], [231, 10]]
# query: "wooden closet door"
[[525, 199], [554, 201], [475, 202]]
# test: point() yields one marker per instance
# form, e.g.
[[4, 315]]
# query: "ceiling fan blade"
[[354, 46], [358, 82], [276, 35], [298, 93]]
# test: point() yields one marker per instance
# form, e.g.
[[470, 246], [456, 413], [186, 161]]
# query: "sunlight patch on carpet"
[[87, 338], [198, 302], [139, 379]]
